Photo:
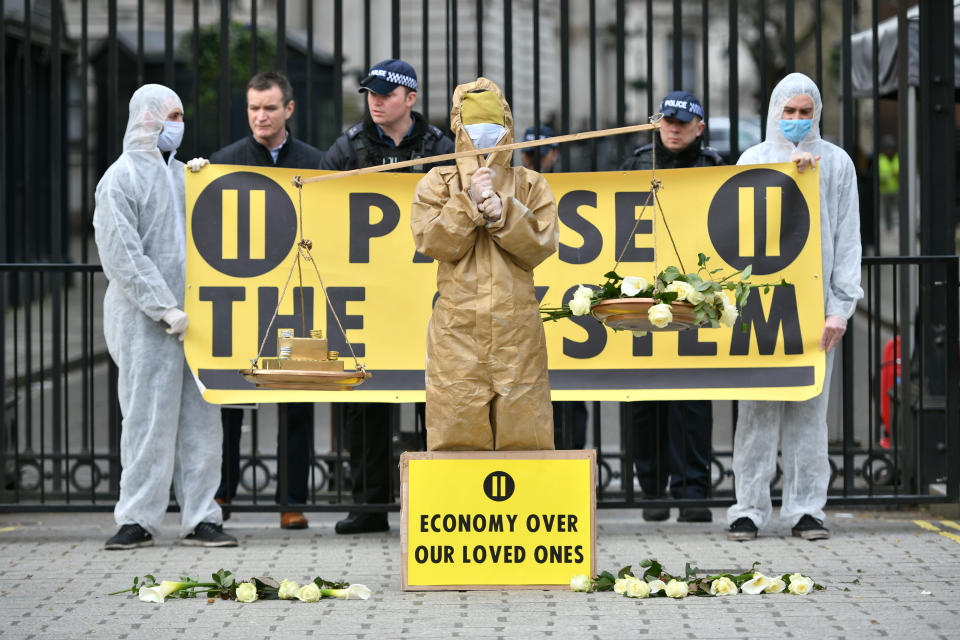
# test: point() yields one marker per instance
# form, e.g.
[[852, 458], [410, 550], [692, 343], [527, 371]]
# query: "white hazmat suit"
[[802, 425], [169, 432]]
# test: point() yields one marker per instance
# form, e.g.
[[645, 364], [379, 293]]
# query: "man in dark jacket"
[[269, 106], [673, 438], [390, 132]]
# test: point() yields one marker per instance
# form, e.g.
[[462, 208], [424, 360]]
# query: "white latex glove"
[[197, 163], [833, 330], [481, 185], [177, 320], [491, 208], [804, 159]]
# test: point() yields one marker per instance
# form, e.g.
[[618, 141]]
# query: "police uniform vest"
[[369, 154]]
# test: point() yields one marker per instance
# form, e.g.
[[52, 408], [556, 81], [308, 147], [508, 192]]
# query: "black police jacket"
[[696, 155], [361, 146], [247, 151]]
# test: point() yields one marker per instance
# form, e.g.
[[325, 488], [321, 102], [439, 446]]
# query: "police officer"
[[389, 132], [673, 438]]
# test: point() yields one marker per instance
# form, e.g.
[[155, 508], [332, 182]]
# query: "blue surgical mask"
[[171, 136], [795, 130]]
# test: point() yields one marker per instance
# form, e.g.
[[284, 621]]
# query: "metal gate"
[[70, 66]]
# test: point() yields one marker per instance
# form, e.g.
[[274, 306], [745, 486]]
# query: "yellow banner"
[[243, 226], [498, 518]]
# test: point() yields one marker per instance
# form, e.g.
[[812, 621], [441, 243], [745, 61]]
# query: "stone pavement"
[[886, 575]]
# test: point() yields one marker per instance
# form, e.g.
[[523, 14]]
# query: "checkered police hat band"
[[395, 78]]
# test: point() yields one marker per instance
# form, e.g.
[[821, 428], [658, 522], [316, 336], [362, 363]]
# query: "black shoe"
[[130, 536], [363, 523], [809, 528], [695, 514], [208, 534], [742, 530], [656, 514]]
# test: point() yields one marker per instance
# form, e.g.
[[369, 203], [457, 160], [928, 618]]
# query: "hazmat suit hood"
[[794, 84], [149, 107], [496, 161]]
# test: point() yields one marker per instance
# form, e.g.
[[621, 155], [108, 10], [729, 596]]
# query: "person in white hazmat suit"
[[793, 135], [169, 432]]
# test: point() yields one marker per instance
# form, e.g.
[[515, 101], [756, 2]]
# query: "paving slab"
[[885, 573]]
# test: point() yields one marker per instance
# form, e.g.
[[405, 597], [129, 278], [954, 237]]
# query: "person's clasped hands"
[[482, 193]]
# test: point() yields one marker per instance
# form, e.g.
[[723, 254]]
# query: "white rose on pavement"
[[637, 589], [620, 586], [309, 592], [800, 585], [580, 582], [723, 587], [777, 585], [660, 315], [288, 590], [677, 589], [246, 592]]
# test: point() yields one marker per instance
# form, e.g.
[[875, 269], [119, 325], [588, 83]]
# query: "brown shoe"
[[293, 520], [224, 508]]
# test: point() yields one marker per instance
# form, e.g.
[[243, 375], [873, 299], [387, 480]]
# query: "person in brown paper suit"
[[488, 225]]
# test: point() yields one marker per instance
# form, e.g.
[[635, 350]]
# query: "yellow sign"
[[485, 520], [243, 226]]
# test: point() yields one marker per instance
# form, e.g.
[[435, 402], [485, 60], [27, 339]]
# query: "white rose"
[[800, 584], [288, 590], [657, 586], [681, 288], [580, 582], [637, 589], [583, 292], [579, 306], [632, 285], [758, 584], [777, 585], [246, 592], [309, 592], [723, 587], [695, 297], [640, 334], [660, 315], [728, 317], [677, 589], [620, 586]]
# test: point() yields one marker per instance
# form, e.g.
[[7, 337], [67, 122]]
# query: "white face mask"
[[485, 134], [171, 136]]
